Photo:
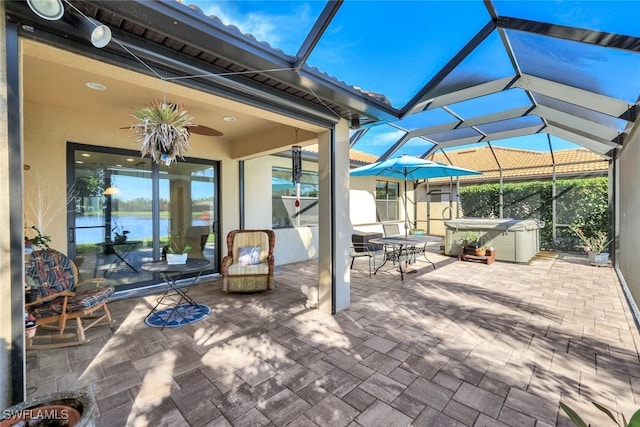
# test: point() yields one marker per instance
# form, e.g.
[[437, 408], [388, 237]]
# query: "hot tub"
[[514, 240]]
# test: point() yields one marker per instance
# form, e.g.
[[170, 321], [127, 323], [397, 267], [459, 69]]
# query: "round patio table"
[[171, 273]]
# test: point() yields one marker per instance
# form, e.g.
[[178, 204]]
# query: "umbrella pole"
[[406, 215]]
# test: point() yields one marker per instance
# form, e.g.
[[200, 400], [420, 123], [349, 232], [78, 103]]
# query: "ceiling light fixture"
[[51, 10], [111, 191], [229, 119], [95, 86]]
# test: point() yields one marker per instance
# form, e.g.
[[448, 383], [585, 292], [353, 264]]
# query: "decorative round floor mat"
[[174, 317]]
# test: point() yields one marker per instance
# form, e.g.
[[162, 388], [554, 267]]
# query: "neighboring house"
[[519, 164], [437, 199]]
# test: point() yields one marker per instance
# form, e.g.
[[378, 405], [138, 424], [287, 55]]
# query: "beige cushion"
[[235, 269]]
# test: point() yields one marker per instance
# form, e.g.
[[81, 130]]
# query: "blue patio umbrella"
[[410, 168], [282, 184]]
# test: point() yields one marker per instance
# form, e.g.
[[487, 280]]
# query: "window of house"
[[436, 196], [387, 195], [285, 213]]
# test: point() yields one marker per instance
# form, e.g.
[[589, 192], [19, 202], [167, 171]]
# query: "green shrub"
[[581, 202]]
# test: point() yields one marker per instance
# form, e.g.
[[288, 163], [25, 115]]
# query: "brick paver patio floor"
[[465, 344]]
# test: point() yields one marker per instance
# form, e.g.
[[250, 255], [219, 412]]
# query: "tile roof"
[[519, 163], [356, 156], [516, 163]]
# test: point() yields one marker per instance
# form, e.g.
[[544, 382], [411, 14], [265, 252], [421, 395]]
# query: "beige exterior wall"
[[362, 216], [439, 212], [628, 220], [292, 244], [46, 133]]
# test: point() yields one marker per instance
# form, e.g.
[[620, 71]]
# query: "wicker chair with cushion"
[[249, 263], [61, 298]]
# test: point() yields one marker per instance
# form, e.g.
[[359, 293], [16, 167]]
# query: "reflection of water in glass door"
[[112, 218], [187, 204]]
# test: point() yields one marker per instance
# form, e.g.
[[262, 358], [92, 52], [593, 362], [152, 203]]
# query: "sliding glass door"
[[125, 207]]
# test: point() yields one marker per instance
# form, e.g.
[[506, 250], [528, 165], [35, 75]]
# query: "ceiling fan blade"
[[198, 129], [204, 130]]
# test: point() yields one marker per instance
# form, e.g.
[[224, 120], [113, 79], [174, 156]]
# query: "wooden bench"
[[469, 255]]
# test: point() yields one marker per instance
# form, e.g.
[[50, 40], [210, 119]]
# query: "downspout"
[[334, 221]]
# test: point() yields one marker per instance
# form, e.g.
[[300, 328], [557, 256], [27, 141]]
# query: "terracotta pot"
[[62, 408], [30, 332], [481, 251]]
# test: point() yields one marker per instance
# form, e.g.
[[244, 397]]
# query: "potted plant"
[[30, 289], [163, 131], [120, 234], [470, 244], [39, 241], [595, 245], [176, 248]]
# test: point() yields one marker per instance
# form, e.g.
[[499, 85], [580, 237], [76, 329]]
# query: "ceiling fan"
[[197, 129], [192, 128]]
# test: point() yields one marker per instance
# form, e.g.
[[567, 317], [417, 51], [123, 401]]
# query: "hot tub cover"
[[503, 224]]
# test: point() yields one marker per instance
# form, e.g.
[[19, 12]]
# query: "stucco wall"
[[628, 215], [361, 217], [46, 133], [292, 244]]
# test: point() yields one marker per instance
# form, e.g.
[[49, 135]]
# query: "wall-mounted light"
[[51, 10]]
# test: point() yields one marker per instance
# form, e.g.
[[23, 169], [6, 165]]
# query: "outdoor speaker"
[[51, 10], [99, 34]]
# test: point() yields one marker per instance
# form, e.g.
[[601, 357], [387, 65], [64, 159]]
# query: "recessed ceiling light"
[[229, 119], [79, 162], [130, 159], [95, 86], [86, 155]]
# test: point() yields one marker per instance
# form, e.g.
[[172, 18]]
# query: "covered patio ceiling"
[[521, 68]]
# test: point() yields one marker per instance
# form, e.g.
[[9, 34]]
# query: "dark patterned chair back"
[[52, 271]]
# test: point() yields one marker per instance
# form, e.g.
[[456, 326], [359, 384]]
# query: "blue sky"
[[396, 47]]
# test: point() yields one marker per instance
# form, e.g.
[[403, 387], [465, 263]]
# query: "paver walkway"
[[465, 344]]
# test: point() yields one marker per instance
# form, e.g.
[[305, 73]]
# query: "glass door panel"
[[187, 207], [113, 221]]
